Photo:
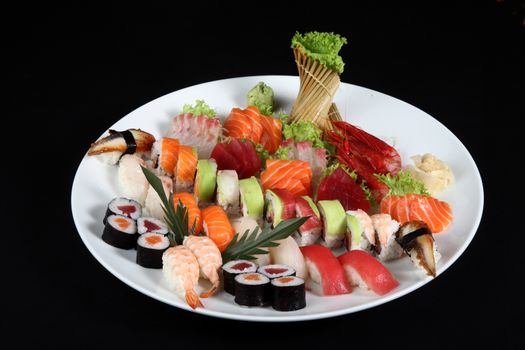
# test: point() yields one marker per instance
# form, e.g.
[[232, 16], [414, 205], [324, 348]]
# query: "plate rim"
[[285, 317]]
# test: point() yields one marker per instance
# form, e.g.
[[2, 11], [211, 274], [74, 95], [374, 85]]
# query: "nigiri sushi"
[[205, 180], [288, 253], [334, 220], [416, 239], [153, 204], [164, 154], [365, 271], [185, 168], [228, 190], [194, 213], [311, 230], [111, 148], [360, 231], [217, 226], [241, 226], [181, 271], [327, 276], [133, 183], [280, 205], [386, 246], [209, 258]]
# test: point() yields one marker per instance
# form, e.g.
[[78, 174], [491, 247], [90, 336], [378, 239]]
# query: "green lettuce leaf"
[[200, 108], [323, 47], [402, 183], [304, 131]]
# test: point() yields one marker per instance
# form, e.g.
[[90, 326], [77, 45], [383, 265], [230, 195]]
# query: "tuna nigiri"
[[164, 154], [292, 175], [435, 213], [365, 271], [194, 213], [327, 276], [217, 226], [186, 168]]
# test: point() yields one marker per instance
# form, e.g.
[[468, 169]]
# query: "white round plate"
[[413, 131]]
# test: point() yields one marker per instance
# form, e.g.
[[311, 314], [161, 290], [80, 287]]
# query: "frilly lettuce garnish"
[[323, 47], [402, 183], [304, 131], [200, 108]]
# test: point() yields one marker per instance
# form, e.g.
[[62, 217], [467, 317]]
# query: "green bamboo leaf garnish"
[[250, 243], [176, 218]]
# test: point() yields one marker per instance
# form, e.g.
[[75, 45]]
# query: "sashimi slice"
[[339, 185], [239, 156], [278, 171], [366, 271], [255, 117], [200, 132], [271, 136]]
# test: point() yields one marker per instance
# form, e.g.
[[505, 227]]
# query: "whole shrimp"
[[181, 270], [209, 258]]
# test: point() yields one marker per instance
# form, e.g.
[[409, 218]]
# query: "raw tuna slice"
[[239, 156], [339, 185]]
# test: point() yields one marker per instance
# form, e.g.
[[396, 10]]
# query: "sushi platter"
[[276, 199]]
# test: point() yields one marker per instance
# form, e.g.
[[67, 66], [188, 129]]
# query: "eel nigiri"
[[181, 271], [118, 143], [327, 276], [416, 239], [365, 271], [194, 213], [311, 230], [435, 213], [217, 226], [133, 183], [164, 154], [185, 168], [209, 258]]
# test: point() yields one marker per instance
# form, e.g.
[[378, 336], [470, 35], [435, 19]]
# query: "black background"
[[73, 71]]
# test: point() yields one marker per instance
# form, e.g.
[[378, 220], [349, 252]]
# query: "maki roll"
[[311, 230], [252, 200], [334, 220], [120, 232], [288, 293], [228, 190], [125, 207], [150, 247], [234, 268], [252, 289], [276, 271], [280, 205], [386, 246], [205, 180], [360, 234], [154, 225]]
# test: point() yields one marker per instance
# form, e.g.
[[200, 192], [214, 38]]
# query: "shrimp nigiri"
[[181, 270], [209, 258], [217, 226]]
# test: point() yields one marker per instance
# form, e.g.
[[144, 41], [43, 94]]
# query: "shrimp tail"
[[211, 291], [193, 299]]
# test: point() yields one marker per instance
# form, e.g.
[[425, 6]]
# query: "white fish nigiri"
[[153, 204], [288, 253], [243, 223], [133, 183]]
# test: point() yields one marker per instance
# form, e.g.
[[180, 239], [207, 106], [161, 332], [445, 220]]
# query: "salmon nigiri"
[[194, 213], [165, 153], [293, 175], [435, 213], [217, 226], [185, 169]]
